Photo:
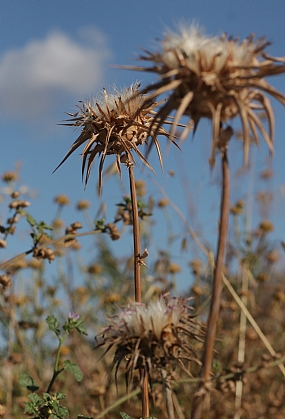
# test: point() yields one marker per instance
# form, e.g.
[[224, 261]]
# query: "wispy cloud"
[[39, 74]]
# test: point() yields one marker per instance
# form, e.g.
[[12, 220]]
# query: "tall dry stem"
[[136, 236], [137, 277], [203, 386]]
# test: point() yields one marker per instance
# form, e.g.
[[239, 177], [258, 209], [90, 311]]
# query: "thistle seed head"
[[116, 124], [153, 335], [217, 78]]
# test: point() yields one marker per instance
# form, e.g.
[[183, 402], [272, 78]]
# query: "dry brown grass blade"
[[252, 321]]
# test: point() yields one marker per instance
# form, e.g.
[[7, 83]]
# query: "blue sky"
[[57, 52]]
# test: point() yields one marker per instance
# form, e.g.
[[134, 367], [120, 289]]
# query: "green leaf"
[[45, 226], [47, 397], [60, 412], [73, 369], [141, 204], [125, 416], [80, 328], [30, 409], [31, 220], [59, 396], [35, 399], [28, 382], [53, 324]]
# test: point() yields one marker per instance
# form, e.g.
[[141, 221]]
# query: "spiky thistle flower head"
[[151, 335], [215, 77], [114, 123]]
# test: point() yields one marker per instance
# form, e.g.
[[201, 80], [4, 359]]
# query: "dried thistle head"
[[153, 335], [217, 78], [114, 124]]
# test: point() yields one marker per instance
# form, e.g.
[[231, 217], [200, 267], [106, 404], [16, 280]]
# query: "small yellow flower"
[[174, 268], [217, 78], [82, 205], [163, 202], [115, 124], [94, 269], [62, 200], [196, 267], [140, 187], [57, 224]]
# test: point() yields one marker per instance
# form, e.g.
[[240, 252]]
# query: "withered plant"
[[217, 78], [118, 124], [150, 337]]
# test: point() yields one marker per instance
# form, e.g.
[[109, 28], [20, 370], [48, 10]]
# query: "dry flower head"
[[115, 124], [217, 78], [152, 335]]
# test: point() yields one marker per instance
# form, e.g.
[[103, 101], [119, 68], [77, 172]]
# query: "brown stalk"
[[216, 295], [168, 395], [136, 236], [145, 398], [137, 277]]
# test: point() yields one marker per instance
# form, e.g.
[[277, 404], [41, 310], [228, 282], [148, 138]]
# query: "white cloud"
[[36, 76]]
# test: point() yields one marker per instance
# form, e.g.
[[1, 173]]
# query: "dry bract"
[[44, 253], [151, 335], [3, 244], [9, 176], [217, 78], [115, 124]]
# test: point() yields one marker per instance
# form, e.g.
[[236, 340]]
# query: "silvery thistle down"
[[217, 78], [154, 335], [116, 123]]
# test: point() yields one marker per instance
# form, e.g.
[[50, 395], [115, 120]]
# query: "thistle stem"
[[136, 236], [216, 295], [137, 278], [168, 395], [145, 398]]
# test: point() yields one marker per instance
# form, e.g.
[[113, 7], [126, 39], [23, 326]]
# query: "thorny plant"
[[152, 336], [118, 124], [202, 77], [218, 79], [214, 78]]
